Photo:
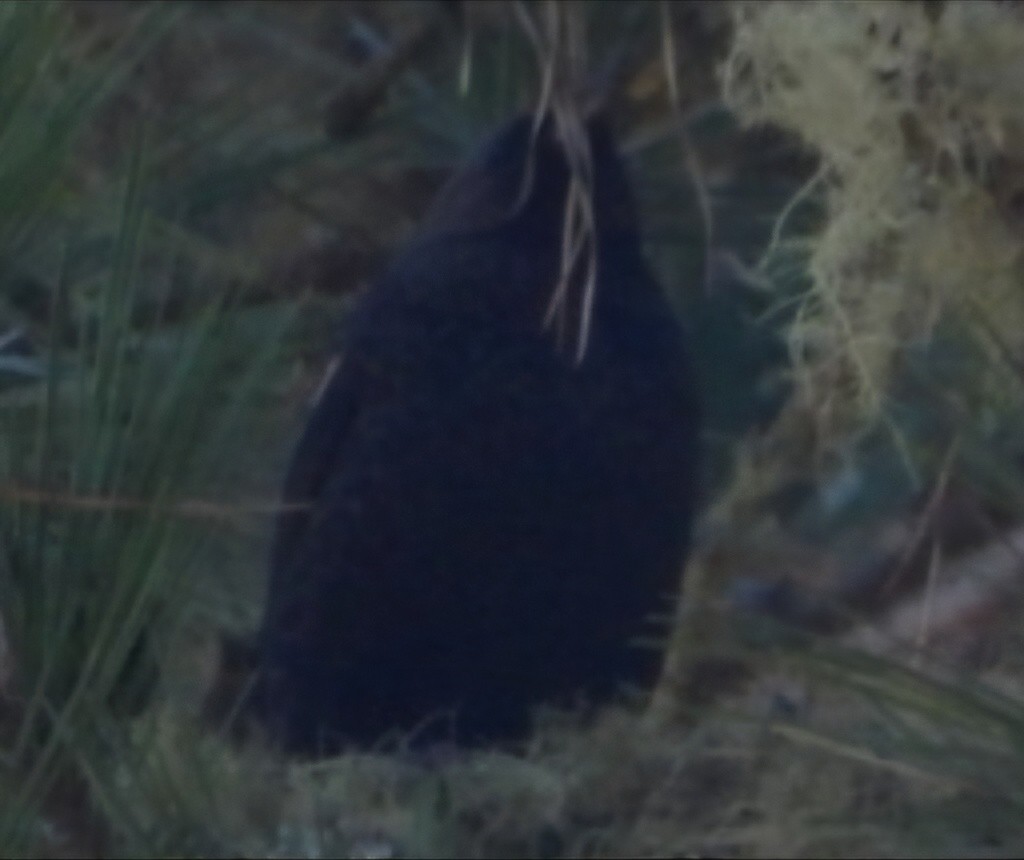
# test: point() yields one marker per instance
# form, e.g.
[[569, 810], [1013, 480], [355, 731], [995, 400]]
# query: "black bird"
[[491, 522]]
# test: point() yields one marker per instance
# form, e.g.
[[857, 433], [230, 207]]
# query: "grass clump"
[[106, 449]]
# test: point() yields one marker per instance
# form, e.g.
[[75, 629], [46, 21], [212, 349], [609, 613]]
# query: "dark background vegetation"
[[190, 196]]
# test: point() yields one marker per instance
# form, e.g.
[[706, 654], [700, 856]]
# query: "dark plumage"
[[490, 524]]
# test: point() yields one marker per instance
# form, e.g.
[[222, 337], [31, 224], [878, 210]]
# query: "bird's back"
[[491, 521]]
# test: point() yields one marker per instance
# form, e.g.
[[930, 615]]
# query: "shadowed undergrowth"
[[169, 200]]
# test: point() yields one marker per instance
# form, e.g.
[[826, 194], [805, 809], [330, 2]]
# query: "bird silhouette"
[[485, 517]]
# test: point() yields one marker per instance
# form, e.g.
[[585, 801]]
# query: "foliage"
[[167, 196]]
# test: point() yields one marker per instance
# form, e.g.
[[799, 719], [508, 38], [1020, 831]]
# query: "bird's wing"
[[315, 456]]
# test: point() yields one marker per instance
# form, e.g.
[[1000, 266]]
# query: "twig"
[[189, 508]]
